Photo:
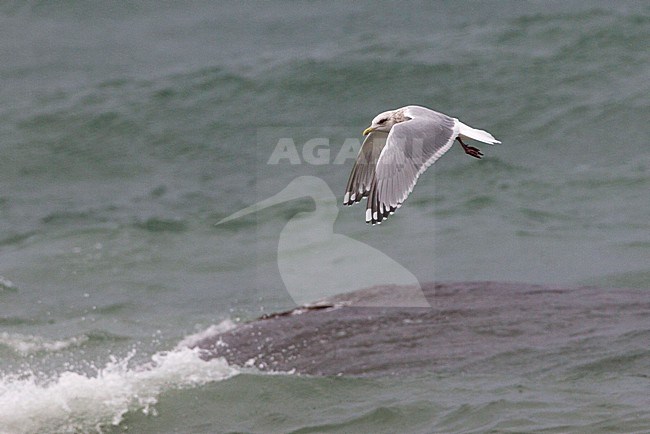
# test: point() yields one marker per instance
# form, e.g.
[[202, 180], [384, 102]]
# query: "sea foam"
[[72, 401]]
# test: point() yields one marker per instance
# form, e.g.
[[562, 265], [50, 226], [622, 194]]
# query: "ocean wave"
[[77, 402]]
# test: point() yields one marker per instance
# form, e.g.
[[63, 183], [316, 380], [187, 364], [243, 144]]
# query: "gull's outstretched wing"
[[364, 168], [411, 147]]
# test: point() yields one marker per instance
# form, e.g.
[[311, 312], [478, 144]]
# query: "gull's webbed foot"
[[470, 150]]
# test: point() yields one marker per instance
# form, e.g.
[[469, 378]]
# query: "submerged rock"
[[367, 333]]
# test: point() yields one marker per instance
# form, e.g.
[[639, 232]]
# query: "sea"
[[168, 168]]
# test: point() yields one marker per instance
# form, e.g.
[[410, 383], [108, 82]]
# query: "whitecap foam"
[[214, 330], [73, 401], [7, 284], [29, 344]]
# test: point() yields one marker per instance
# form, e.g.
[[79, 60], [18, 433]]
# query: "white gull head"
[[385, 121]]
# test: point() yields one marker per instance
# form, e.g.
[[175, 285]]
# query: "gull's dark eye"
[[381, 121]]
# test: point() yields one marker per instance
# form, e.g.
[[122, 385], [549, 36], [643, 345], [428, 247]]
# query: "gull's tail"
[[466, 131]]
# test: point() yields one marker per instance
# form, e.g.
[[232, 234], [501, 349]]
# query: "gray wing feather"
[[411, 147], [363, 171]]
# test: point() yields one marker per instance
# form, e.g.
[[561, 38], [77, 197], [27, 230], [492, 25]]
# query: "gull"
[[399, 146]]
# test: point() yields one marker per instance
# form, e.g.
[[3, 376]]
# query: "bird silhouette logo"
[[316, 263]]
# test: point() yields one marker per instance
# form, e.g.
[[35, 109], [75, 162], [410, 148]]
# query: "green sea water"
[[129, 130]]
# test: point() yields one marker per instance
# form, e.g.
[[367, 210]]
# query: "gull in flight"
[[400, 145]]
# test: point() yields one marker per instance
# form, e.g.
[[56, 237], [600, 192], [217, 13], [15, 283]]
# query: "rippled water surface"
[[128, 131]]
